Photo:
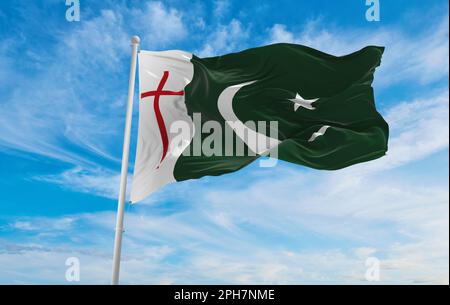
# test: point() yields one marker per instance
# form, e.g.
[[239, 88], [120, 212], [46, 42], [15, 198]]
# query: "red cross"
[[159, 118]]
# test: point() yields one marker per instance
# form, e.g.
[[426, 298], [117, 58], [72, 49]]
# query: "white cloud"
[[419, 128], [225, 39], [365, 252], [279, 33], [43, 224], [98, 181], [48, 112], [221, 7], [160, 25]]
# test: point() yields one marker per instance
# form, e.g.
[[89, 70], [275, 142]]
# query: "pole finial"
[[135, 40]]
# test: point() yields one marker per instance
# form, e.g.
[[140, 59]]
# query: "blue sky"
[[62, 107]]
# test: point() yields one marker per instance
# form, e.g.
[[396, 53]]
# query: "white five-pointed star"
[[300, 101]]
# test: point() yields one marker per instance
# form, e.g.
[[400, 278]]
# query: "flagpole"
[[124, 170]]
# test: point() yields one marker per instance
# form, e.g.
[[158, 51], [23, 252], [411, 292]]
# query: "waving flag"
[[323, 107]]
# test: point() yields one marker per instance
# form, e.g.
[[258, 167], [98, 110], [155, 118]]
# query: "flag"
[[288, 101]]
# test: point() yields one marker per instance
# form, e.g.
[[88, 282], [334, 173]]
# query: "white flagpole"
[[124, 170]]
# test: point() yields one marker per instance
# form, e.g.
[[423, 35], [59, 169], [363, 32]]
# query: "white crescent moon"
[[261, 143]]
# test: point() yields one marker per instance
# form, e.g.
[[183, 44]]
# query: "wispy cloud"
[[224, 39], [221, 7], [160, 25], [73, 109], [56, 111], [318, 232], [97, 181]]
